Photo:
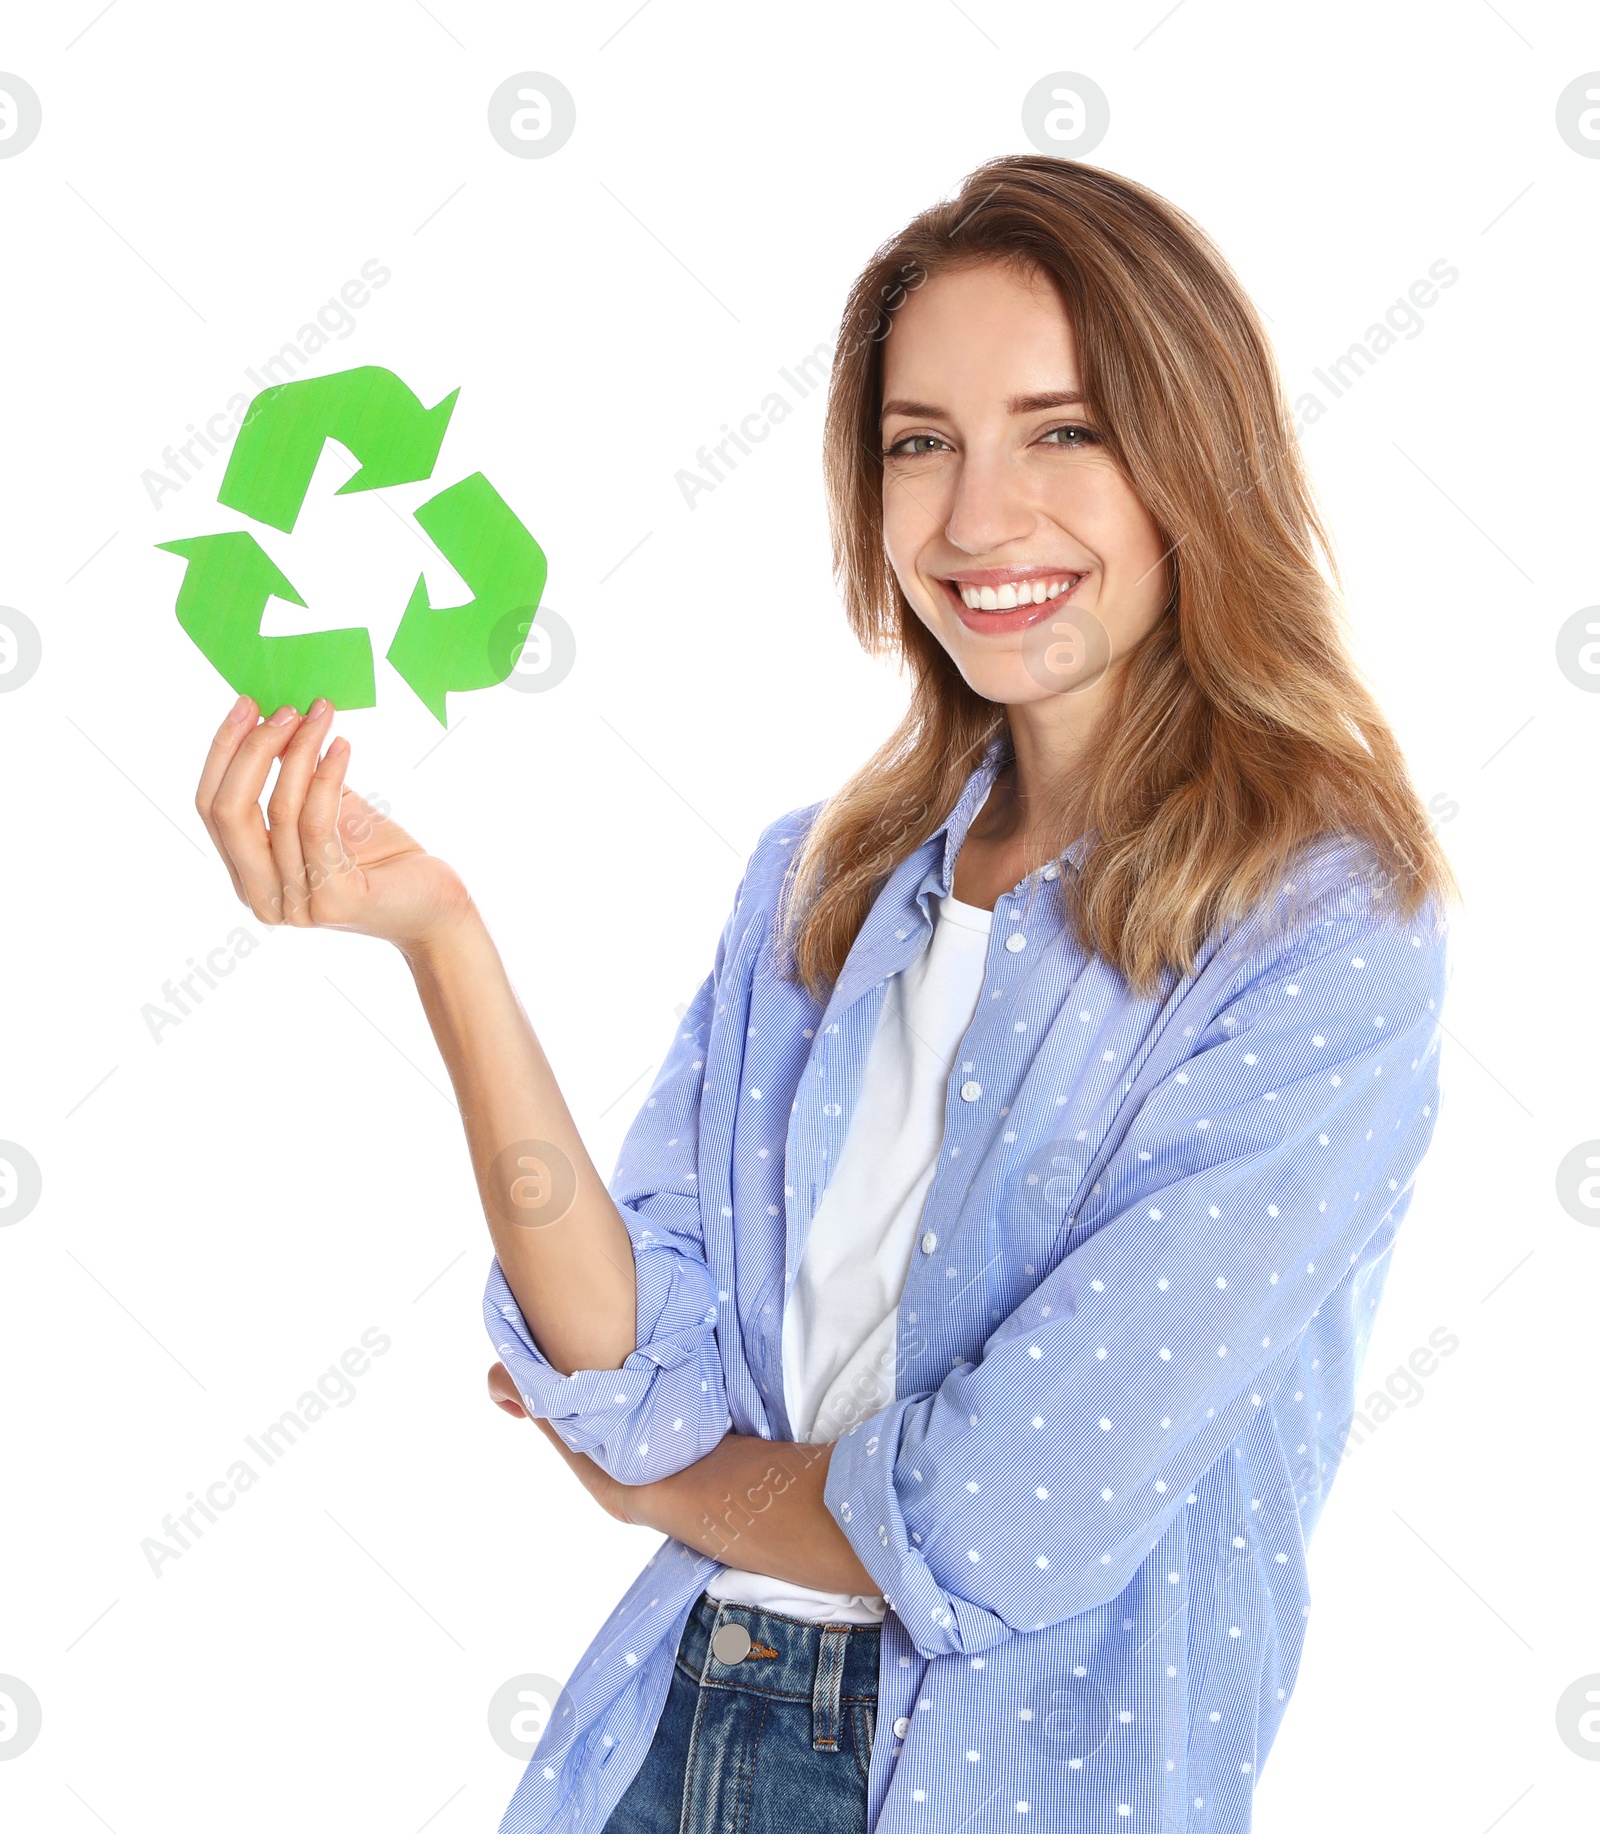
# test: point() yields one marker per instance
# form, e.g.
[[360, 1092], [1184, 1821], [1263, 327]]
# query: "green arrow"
[[226, 584], [449, 647], [368, 410]]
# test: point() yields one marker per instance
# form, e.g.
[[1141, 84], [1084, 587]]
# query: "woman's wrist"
[[452, 942], [757, 1504], [739, 1474]]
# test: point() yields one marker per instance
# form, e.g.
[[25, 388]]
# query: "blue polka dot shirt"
[[1128, 1343]]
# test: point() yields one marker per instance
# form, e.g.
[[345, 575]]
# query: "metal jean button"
[[730, 1643]]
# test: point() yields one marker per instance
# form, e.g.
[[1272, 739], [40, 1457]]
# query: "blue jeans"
[[771, 1742]]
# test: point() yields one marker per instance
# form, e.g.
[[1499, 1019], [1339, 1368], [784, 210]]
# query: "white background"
[[225, 1211]]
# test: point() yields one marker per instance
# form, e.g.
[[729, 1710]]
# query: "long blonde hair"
[[1239, 731]]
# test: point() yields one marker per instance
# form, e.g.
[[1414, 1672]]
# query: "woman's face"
[[1012, 532]]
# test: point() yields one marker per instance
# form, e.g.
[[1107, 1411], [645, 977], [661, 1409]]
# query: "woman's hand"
[[621, 1501], [791, 1534], [503, 1392], [323, 856]]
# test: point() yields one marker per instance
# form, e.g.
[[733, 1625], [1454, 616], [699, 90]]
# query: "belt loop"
[[717, 1608], [825, 1708]]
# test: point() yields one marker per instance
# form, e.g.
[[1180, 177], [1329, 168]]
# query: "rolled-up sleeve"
[[1033, 1483], [667, 1404]]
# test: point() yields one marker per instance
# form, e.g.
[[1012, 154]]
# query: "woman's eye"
[[1081, 436], [909, 447]]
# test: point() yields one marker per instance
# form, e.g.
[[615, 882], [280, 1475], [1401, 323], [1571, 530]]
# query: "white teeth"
[[1024, 592]]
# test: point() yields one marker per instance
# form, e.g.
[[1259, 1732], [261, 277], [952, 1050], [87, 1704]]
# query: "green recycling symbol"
[[228, 578]]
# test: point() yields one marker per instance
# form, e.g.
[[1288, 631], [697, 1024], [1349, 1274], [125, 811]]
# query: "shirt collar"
[[886, 942], [940, 875]]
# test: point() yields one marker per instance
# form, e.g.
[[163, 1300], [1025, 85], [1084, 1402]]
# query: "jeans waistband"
[[826, 1663]]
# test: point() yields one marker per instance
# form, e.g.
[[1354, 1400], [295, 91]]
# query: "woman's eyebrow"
[[912, 410], [1051, 398], [1018, 404]]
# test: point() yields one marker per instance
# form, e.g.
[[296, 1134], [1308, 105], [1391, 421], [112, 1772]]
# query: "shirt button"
[[929, 1242], [1016, 941], [1050, 871], [902, 1726], [971, 1091]]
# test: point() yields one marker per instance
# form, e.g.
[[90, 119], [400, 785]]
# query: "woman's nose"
[[990, 507]]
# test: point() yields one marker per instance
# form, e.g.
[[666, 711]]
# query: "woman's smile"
[[997, 600]]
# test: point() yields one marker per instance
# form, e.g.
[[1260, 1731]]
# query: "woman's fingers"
[[321, 844], [503, 1391], [283, 813], [614, 1498], [236, 810], [230, 734], [361, 825]]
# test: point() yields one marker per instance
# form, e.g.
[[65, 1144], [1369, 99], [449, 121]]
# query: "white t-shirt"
[[839, 1328]]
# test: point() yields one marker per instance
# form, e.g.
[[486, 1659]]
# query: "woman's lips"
[[1000, 623]]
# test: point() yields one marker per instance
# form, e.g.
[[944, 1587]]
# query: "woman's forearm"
[[757, 1504], [569, 1265]]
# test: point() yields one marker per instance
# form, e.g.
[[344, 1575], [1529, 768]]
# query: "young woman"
[[978, 1301]]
